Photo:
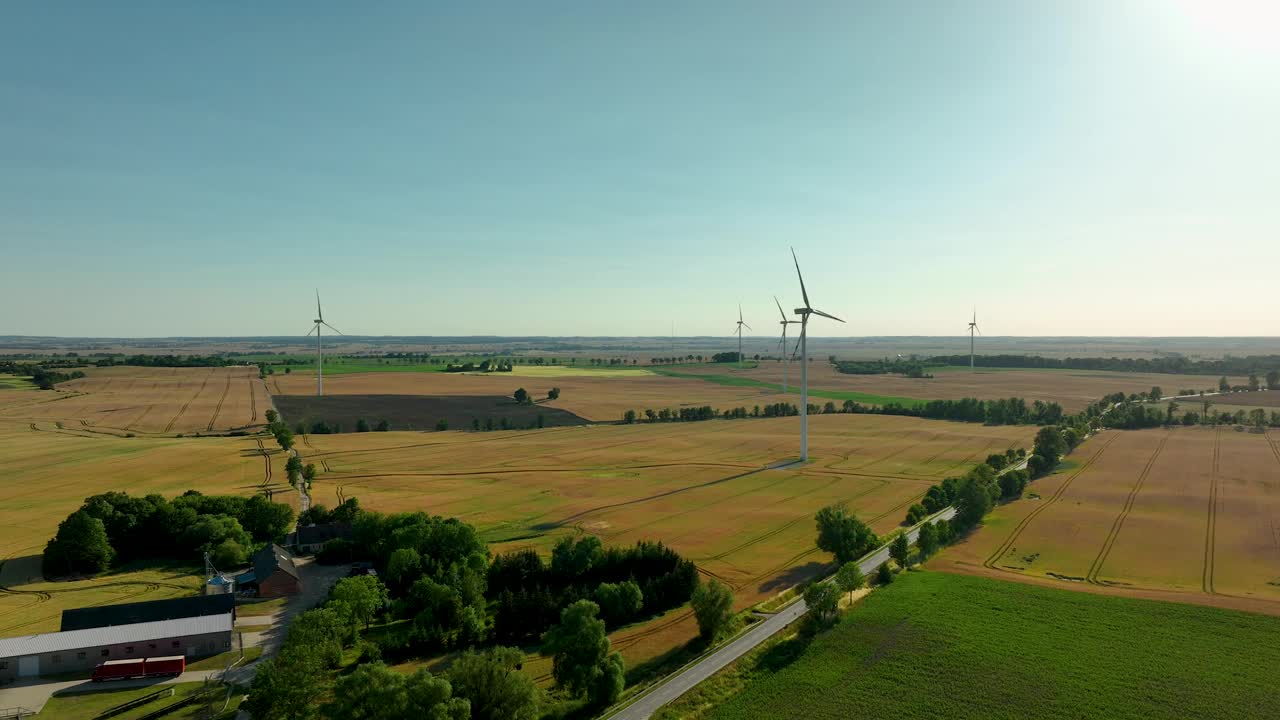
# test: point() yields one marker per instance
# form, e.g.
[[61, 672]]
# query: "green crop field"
[[16, 382], [840, 395], [940, 645]]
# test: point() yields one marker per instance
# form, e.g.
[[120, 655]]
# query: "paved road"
[[684, 680]]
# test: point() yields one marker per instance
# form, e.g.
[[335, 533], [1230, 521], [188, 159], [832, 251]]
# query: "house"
[[81, 650], [273, 573], [312, 539], [150, 611]]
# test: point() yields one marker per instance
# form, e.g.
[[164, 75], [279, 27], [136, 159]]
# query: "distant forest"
[[1175, 364]]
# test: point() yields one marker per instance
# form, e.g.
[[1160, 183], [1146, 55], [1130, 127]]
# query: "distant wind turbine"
[[973, 327], [804, 313], [782, 344], [738, 330], [319, 321]]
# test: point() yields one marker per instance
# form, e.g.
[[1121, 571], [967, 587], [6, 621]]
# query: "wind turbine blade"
[[739, 313], [333, 328], [746, 326], [313, 329], [804, 293], [319, 314], [829, 317], [784, 315], [975, 327]]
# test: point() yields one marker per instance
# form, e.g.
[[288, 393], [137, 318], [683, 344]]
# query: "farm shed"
[[273, 573], [81, 650], [150, 611]]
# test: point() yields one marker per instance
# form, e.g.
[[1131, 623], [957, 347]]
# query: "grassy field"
[[1189, 514], [123, 400], [840, 395], [89, 705], [16, 382], [941, 645], [703, 488]]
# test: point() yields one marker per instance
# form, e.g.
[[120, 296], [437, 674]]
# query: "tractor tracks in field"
[[1114, 533], [187, 404], [1003, 548], [266, 458], [217, 410], [253, 403], [1211, 527]]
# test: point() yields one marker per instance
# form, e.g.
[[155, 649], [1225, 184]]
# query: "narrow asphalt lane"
[[684, 680]]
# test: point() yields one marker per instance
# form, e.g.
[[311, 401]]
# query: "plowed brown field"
[[600, 399], [1190, 514], [121, 400]]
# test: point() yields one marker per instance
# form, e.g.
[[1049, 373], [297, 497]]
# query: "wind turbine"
[[973, 327], [784, 322], [320, 346], [804, 313], [738, 330]]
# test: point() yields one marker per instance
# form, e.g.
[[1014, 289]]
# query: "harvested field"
[[597, 396], [49, 471], [1073, 389], [704, 488], [1190, 514], [120, 400], [935, 645], [1261, 398], [418, 412]]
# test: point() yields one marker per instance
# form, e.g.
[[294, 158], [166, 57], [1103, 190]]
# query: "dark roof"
[[270, 559], [150, 611], [314, 534]]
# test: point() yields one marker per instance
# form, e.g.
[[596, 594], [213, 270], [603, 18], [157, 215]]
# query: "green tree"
[[286, 687], [884, 574], [1273, 379], [822, 599], [364, 595], [362, 425], [619, 602], [442, 425], [850, 578], [323, 631], [842, 534], [581, 660], [1223, 385], [1258, 417], [79, 547], [309, 473], [494, 684], [712, 603], [375, 692], [1050, 444], [1253, 382], [629, 417], [1155, 394], [293, 466], [403, 568], [973, 503], [900, 550], [272, 416], [522, 396], [382, 426], [553, 393], [927, 540]]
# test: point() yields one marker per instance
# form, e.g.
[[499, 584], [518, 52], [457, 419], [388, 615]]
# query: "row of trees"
[[912, 368], [117, 528], [1010, 411], [45, 379], [1169, 364], [166, 361]]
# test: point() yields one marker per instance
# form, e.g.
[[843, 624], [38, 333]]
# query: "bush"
[[884, 574]]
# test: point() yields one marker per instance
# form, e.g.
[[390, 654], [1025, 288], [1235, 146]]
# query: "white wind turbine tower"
[[784, 322], [804, 314], [319, 345], [973, 327], [738, 330]]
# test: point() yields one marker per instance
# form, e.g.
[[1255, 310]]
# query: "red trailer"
[[119, 670], [163, 666], [140, 668]]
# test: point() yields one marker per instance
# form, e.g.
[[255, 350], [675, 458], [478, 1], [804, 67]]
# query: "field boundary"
[[1118, 523], [1211, 527]]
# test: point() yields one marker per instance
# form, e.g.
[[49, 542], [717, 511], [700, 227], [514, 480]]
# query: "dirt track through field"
[[1110, 541], [169, 427], [1044, 505], [1211, 528], [218, 409]]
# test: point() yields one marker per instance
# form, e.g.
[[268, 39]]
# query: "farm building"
[[150, 611], [82, 650], [313, 538], [273, 573]]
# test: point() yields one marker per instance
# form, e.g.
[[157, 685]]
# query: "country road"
[[684, 680]]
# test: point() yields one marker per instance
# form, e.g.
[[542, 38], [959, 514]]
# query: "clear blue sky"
[[602, 168]]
